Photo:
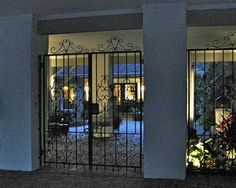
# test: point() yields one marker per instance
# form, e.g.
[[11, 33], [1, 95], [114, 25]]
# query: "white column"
[[164, 26], [19, 49]]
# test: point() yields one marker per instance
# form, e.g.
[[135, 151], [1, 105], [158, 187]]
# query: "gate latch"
[[95, 108]]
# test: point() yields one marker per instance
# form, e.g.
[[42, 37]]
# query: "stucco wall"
[[18, 93], [165, 91], [15, 95]]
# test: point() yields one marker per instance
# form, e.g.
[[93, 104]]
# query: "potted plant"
[[59, 123]]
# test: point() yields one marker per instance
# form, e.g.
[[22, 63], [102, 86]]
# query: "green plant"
[[226, 129], [197, 154], [216, 151], [209, 84]]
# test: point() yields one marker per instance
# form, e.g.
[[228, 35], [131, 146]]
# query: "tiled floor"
[[122, 148]]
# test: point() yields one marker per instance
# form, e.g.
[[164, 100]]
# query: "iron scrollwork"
[[115, 44], [67, 46], [228, 42], [67, 137]]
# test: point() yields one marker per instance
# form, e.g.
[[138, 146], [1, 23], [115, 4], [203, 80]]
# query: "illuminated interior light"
[[51, 83], [142, 88], [86, 89]]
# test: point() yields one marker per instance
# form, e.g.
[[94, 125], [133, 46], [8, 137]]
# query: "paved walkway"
[[70, 178]]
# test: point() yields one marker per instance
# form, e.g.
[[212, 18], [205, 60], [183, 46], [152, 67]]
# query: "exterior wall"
[[165, 90], [165, 85], [18, 107], [83, 9]]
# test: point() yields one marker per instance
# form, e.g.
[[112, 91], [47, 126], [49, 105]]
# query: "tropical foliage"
[[212, 145]]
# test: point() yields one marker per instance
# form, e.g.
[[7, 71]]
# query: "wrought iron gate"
[[212, 108], [92, 109]]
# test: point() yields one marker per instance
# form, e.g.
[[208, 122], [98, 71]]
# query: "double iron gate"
[[91, 110]]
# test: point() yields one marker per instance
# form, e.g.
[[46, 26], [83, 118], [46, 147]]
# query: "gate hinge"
[[41, 153], [41, 61]]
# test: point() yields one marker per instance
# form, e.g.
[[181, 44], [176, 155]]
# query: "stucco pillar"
[[164, 26], [20, 46]]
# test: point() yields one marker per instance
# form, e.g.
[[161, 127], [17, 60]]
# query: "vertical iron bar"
[[76, 110], [141, 111], [232, 98], [233, 81], [96, 95], [127, 109], [194, 87], [63, 62], [205, 96], [223, 64], [119, 87], [117, 110], [105, 108], [223, 58], [194, 66], [44, 109], [188, 92], [215, 89], [96, 81], [113, 99], [119, 99], [214, 93], [40, 108], [56, 82], [85, 106], [90, 71], [68, 104], [135, 81], [214, 83]]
